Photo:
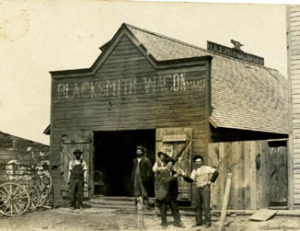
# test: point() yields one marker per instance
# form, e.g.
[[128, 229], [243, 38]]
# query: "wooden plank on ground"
[[263, 215]]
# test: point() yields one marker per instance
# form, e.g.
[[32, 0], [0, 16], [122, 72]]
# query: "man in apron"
[[167, 190], [77, 179]]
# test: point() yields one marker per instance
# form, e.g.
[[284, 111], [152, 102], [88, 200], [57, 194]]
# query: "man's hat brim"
[[77, 151], [162, 153]]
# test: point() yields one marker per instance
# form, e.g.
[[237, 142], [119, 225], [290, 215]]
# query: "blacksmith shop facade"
[[159, 92]]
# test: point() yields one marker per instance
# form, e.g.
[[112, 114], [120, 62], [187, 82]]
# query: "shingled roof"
[[244, 95]]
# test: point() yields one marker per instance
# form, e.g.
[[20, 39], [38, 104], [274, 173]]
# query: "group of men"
[[166, 184]]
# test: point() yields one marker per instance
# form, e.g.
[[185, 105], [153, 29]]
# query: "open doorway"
[[113, 159]]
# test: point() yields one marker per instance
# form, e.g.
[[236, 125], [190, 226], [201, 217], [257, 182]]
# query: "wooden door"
[[173, 140], [78, 140], [277, 172]]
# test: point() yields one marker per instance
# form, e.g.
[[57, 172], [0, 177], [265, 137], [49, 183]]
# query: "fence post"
[[225, 202]]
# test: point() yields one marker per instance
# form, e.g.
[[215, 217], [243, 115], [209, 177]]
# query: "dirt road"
[[94, 219]]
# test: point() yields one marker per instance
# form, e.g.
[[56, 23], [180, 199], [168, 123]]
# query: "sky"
[[41, 36]]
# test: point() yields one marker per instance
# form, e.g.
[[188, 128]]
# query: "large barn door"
[[79, 140], [173, 140]]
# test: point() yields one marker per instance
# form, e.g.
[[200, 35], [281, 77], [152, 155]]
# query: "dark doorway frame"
[[113, 156]]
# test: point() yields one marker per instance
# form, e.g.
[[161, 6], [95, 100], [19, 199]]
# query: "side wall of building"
[[21, 160], [293, 38]]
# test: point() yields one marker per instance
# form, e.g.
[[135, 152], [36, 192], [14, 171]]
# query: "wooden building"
[[159, 92], [293, 47], [19, 156]]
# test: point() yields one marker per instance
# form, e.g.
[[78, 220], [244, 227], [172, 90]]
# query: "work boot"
[[207, 225], [197, 224], [164, 225], [179, 224]]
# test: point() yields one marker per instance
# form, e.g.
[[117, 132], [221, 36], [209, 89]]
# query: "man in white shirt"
[[202, 176], [77, 178]]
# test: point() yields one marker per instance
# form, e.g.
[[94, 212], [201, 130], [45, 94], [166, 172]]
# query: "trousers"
[[76, 188], [202, 202], [163, 206]]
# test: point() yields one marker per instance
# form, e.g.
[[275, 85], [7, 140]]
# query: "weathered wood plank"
[[235, 159], [253, 189], [247, 170], [213, 160]]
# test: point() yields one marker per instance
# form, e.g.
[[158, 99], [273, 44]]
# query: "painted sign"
[[126, 87], [235, 53]]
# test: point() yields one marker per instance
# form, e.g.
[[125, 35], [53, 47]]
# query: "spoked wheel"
[[33, 193], [15, 199], [45, 187]]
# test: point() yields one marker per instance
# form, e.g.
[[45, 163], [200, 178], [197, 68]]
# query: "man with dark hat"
[[141, 174], [77, 179], [203, 176], [167, 191], [157, 168]]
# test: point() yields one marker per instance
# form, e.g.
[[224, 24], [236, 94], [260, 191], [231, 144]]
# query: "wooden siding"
[[127, 93], [293, 38], [22, 160], [259, 173]]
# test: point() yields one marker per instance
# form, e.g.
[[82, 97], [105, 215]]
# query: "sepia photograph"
[[149, 115]]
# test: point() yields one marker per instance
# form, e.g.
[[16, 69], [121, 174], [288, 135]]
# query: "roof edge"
[[196, 47], [71, 71]]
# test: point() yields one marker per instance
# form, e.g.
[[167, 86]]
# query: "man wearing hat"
[[167, 191], [141, 174], [77, 178], [203, 176], [157, 168]]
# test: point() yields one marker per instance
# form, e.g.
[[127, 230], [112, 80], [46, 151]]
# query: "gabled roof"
[[243, 95]]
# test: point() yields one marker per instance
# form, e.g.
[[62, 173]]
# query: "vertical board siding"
[[127, 93], [293, 32], [249, 162]]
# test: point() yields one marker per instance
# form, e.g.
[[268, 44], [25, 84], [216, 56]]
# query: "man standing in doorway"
[[141, 175], [77, 179], [203, 176]]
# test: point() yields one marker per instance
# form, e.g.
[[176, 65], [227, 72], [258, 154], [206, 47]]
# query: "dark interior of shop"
[[113, 159]]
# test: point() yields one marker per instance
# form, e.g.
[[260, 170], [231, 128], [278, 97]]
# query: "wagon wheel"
[[33, 193], [45, 187], [15, 199]]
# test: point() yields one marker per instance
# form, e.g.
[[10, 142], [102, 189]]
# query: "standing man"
[[141, 175], [77, 179], [167, 192], [158, 167], [203, 176]]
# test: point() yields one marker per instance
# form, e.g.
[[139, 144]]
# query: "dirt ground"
[[65, 219]]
